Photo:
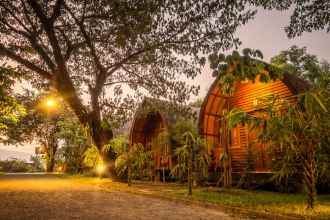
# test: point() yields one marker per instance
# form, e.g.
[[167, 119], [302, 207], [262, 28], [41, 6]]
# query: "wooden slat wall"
[[239, 152], [243, 98]]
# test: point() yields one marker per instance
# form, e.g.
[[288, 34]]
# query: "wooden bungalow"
[[245, 97], [152, 118]]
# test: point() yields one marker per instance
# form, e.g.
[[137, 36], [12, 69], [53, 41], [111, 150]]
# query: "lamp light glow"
[[50, 103], [100, 168]]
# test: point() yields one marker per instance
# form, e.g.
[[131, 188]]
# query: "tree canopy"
[[86, 48], [307, 16]]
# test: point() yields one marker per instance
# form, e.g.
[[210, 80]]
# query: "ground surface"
[[49, 197]]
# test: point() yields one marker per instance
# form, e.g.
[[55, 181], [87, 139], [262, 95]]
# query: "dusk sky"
[[266, 33]]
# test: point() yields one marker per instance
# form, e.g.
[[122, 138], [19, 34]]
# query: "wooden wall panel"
[[244, 98]]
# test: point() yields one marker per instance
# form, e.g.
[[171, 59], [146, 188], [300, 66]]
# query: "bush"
[[15, 166]]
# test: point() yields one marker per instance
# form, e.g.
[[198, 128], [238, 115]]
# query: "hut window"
[[239, 136]]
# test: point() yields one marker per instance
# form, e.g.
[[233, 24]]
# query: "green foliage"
[[76, 142], [15, 165], [142, 162], [42, 123], [132, 161], [120, 146], [295, 133], [197, 103], [153, 44], [298, 62], [307, 16], [235, 67], [10, 108], [181, 126], [36, 164], [91, 157], [192, 159]]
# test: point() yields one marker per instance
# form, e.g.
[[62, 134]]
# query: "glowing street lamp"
[[50, 103], [100, 169], [59, 169]]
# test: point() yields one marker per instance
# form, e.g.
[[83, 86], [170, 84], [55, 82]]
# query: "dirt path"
[[50, 197]]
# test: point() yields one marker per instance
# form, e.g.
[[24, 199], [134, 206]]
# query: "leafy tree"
[[92, 157], [192, 159], [88, 48], [10, 108], [123, 162], [190, 154], [307, 16], [15, 165], [39, 124], [197, 104], [131, 161], [179, 128], [74, 144], [37, 163], [297, 61]]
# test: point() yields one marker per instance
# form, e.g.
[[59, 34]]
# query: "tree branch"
[[101, 77], [57, 10], [31, 66]]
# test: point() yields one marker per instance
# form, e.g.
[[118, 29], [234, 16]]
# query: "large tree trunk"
[[51, 151], [50, 164], [99, 133]]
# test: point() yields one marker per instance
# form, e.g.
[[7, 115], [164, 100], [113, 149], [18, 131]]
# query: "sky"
[[266, 33]]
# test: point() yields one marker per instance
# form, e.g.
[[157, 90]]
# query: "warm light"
[[100, 169], [59, 169], [245, 81], [50, 103]]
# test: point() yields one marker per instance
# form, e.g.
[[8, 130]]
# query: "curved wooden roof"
[[244, 96]]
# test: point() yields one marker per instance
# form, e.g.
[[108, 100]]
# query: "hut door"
[[238, 147], [259, 152]]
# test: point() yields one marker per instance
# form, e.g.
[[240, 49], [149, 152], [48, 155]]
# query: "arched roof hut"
[[245, 97], [151, 118]]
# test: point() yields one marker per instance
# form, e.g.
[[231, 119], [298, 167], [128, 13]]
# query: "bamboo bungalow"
[[245, 97]]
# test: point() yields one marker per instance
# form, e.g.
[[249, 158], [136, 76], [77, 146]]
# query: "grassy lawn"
[[251, 203], [261, 201]]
